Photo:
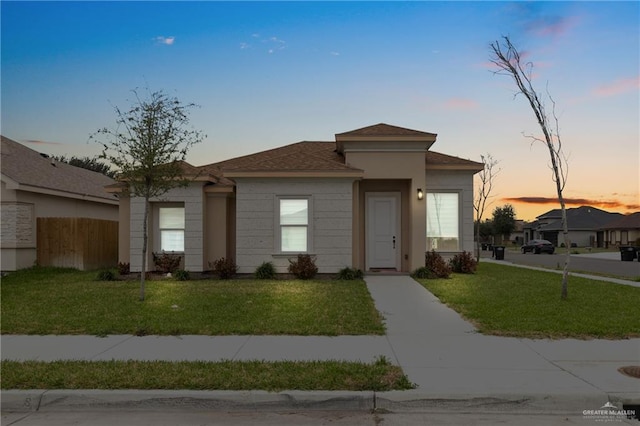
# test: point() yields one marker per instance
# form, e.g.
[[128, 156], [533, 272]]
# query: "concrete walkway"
[[437, 349]]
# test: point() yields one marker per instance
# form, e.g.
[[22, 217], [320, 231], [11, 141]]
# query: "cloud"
[[622, 85], [165, 40], [39, 142], [611, 204], [460, 104], [244, 46], [334, 53], [553, 26]]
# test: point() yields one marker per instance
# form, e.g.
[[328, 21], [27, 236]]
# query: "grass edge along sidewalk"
[[506, 300], [380, 375]]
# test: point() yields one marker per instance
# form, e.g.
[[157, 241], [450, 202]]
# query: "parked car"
[[538, 246]]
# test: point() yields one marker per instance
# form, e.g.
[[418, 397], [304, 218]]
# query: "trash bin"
[[627, 253], [499, 252]]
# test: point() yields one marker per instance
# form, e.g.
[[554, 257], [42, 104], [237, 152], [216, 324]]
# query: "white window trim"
[[157, 237], [460, 219], [278, 227]]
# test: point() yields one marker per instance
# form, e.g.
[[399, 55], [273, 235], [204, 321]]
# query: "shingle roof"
[[630, 221], [298, 157], [382, 129], [27, 167], [580, 218], [311, 156]]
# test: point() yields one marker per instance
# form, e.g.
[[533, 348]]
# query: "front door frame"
[[397, 196]]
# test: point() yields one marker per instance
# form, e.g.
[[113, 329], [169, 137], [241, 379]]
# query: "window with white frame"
[[294, 225], [443, 224], [171, 224]]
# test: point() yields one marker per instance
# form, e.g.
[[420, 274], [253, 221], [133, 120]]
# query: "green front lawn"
[[63, 301], [510, 301], [225, 375]]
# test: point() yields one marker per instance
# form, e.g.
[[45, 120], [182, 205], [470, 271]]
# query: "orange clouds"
[[605, 204], [460, 104]]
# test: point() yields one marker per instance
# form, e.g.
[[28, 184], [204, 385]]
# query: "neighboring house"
[[376, 198], [623, 231], [584, 225], [35, 187]]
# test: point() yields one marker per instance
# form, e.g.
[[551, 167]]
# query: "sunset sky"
[[266, 74]]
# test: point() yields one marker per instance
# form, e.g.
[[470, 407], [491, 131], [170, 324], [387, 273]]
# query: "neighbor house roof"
[[630, 221], [27, 170], [578, 218]]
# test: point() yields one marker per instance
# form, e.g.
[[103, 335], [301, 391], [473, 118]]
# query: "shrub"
[[124, 268], [266, 271], [436, 264], [224, 268], [349, 274], [106, 275], [166, 262], [181, 275], [422, 272], [304, 267], [463, 263]]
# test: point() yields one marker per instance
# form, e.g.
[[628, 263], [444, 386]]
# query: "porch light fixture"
[[420, 194]]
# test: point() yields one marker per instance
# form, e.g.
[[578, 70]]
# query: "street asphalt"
[[453, 366]]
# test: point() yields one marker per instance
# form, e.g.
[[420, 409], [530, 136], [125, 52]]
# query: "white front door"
[[383, 230]]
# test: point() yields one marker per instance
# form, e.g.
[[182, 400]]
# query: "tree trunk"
[[144, 248]]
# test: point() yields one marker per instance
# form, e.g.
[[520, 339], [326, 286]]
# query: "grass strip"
[[66, 301], [224, 375], [510, 301]]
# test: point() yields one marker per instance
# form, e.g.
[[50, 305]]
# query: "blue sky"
[[267, 74]]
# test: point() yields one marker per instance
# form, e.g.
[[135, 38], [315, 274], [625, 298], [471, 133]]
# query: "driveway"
[[599, 263]]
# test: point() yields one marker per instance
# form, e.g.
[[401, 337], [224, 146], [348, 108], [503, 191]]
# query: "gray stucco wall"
[[192, 198], [331, 203]]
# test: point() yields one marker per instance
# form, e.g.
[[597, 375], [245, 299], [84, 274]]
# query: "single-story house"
[[376, 198], [623, 231], [36, 189], [584, 225]]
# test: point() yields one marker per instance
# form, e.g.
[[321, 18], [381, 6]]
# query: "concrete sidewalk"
[[436, 348]]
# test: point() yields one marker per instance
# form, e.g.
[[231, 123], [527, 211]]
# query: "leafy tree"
[[93, 164], [504, 220], [506, 57], [485, 186], [147, 146]]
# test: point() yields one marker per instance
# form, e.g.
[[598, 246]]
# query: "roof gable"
[[382, 129]]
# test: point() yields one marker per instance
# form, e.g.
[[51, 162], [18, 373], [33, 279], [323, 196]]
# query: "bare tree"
[[509, 62], [147, 146], [485, 186]]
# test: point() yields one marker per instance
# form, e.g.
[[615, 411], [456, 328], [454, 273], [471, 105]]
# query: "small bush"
[[304, 267], [266, 271], [106, 275], [423, 272], [166, 262], [181, 275], [463, 263], [124, 268], [224, 268], [349, 274], [436, 264]]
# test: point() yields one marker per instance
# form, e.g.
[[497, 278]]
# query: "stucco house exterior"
[[623, 231], [376, 198], [584, 224], [35, 187]]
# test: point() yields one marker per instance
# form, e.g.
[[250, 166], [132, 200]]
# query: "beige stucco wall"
[[461, 182], [392, 171], [256, 222], [20, 209]]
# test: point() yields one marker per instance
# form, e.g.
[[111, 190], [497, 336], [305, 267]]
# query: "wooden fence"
[[75, 242]]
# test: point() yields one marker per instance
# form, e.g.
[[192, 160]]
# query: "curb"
[[392, 402]]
